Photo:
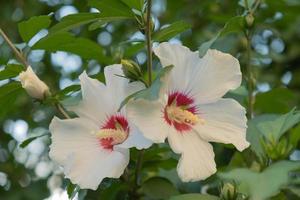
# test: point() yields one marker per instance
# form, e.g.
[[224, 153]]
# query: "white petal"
[[207, 78], [148, 117], [78, 151], [136, 139], [182, 59], [197, 156], [225, 122], [94, 104], [214, 75]]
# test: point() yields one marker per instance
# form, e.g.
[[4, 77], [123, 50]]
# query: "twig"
[[60, 108], [18, 54]]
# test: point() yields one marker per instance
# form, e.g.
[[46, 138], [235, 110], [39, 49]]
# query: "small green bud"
[[131, 70], [229, 192], [277, 150], [249, 19]]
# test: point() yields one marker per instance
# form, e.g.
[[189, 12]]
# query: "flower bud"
[[229, 192], [32, 84], [249, 19], [131, 70]]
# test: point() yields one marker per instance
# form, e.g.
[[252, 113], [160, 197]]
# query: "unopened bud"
[[229, 192], [33, 85], [131, 70], [249, 19]]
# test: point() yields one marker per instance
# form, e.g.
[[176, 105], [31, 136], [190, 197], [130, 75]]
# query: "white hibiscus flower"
[[191, 112], [95, 145]]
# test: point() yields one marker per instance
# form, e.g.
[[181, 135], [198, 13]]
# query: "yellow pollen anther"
[[117, 135], [181, 115]]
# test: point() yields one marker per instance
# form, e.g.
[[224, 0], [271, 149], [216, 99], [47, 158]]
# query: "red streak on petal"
[[181, 99], [106, 143], [111, 123]]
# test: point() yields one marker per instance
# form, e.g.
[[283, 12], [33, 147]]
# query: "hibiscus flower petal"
[[207, 78], [197, 156], [84, 161], [148, 117], [136, 139], [225, 122], [94, 97], [214, 75], [182, 58]]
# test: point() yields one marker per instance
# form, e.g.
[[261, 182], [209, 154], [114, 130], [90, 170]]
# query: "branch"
[[18, 54]]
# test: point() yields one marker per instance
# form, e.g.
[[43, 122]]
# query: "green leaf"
[[250, 3], [158, 188], [112, 8], [279, 100], [151, 93], [235, 24], [79, 19], [72, 21], [263, 185], [29, 28], [72, 190], [171, 31], [269, 126], [9, 93], [10, 71], [136, 4], [9, 88], [70, 89], [64, 41], [278, 126], [26, 142], [194, 197]]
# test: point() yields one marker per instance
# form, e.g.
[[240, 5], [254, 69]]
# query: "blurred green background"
[[28, 174]]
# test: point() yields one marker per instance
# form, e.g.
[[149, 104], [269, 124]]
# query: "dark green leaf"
[[263, 185], [250, 3], [10, 71], [235, 24], [26, 142], [171, 31], [151, 93], [9, 93], [70, 89], [158, 188], [136, 4], [29, 28], [72, 190], [74, 20], [194, 197], [9, 88], [112, 8], [64, 41], [279, 100]]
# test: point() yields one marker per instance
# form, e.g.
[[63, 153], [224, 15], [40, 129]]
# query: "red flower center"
[[180, 111], [114, 131]]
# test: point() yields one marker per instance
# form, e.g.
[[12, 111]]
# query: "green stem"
[[249, 76], [149, 70], [18, 54], [60, 108], [149, 41], [247, 5]]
